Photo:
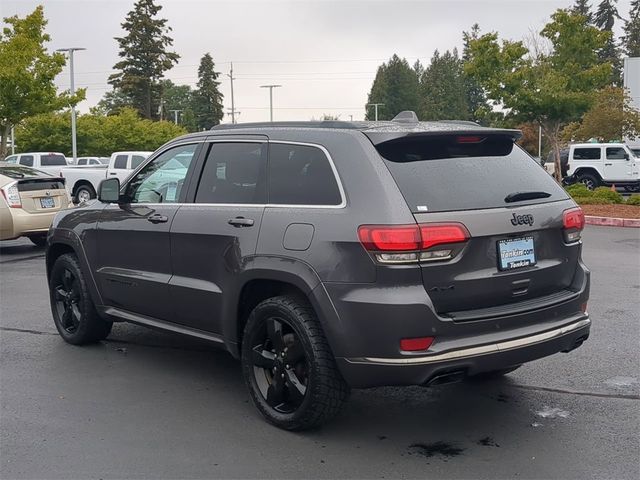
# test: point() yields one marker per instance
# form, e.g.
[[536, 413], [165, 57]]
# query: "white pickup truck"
[[49, 162], [82, 182]]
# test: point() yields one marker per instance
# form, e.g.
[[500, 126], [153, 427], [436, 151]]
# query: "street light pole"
[[175, 115], [270, 87], [13, 140], [376, 105], [70, 51]]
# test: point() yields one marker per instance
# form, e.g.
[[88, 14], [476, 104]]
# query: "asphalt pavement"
[[145, 404]]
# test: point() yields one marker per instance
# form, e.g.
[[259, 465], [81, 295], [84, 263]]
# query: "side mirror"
[[109, 190]]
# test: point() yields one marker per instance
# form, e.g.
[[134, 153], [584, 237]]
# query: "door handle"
[[608, 164], [113, 174], [241, 222], [157, 218]]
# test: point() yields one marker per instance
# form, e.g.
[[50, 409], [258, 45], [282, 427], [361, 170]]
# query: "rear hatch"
[[517, 254], [38, 191]]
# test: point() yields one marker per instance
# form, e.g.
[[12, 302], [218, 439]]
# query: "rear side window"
[[120, 162], [301, 175], [82, 161], [234, 173], [26, 160], [444, 173], [616, 153], [52, 160], [11, 159], [586, 154]]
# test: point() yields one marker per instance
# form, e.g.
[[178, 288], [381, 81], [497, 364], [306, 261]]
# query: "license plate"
[[47, 202], [516, 253]]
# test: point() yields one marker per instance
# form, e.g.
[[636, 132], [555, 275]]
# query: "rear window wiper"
[[520, 196]]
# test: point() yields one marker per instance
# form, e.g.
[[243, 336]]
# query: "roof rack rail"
[[292, 124]]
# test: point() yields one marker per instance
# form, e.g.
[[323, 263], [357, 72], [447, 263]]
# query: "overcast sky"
[[323, 53]]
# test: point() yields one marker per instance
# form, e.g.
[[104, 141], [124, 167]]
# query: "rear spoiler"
[[382, 135]]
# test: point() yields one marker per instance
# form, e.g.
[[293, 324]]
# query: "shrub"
[[633, 200], [579, 190], [607, 194]]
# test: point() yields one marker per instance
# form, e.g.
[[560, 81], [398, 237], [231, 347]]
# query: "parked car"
[[92, 161], [30, 199], [332, 255], [604, 164], [82, 183], [47, 162]]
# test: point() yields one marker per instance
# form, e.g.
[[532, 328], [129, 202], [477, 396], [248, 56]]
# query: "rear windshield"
[[18, 171], [448, 173], [52, 160]]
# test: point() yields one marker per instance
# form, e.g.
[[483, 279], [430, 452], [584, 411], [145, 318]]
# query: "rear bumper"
[[17, 223], [365, 372]]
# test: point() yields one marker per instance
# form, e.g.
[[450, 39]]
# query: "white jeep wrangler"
[[604, 164]]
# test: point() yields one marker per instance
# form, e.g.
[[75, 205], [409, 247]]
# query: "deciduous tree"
[[27, 73], [550, 90]]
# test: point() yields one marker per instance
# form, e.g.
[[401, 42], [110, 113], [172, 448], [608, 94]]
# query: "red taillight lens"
[[573, 222], [436, 234], [469, 139], [417, 239], [397, 238], [416, 344], [573, 218]]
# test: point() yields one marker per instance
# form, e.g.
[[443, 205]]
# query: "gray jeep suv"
[[330, 255]]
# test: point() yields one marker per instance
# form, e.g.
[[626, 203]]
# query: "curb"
[[612, 222]]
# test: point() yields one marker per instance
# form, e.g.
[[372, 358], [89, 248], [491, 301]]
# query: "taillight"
[[573, 223], [12, 195], [412, 243]]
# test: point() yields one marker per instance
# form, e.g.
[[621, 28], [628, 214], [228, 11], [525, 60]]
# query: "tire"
[[590, 180], [39, 240], [288, 366], [73, 311], [84, 193], [494, 374]]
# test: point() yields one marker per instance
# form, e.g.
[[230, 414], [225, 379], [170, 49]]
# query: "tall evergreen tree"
[[396, 86], [631, 38], [443, 90], [605, 19], [207, 99], [145, 57], [476, 98], [583, 8]]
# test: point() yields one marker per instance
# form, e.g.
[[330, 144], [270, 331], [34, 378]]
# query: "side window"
[[120, 162], [616, 153], [301, 175], [234, 173], [161, 180], [93, 161], [586, 154], [136, 160], [82, 161], [26, 160], [11, 159]]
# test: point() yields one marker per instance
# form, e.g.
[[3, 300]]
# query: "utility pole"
[[351, 118], [13, 140], [175, 115], [270, 87], [540, 142], [376, 105], [74, 150], [233, 108]]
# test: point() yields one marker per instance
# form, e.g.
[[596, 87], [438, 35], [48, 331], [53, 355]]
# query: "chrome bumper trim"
[[477, 351]]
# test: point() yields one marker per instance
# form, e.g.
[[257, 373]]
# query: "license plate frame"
[[47, 202], [515, 253]]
